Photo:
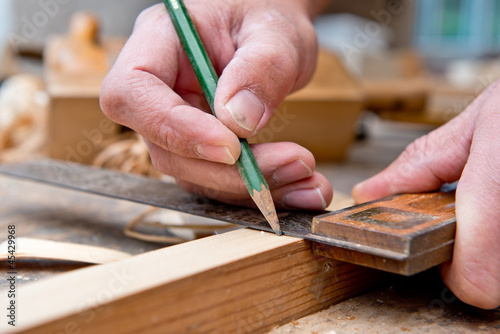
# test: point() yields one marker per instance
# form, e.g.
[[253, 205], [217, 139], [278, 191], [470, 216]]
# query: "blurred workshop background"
[[389, 71], [387, 68]]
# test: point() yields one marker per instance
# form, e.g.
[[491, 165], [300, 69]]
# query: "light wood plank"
[[241, 281], [29, 248]]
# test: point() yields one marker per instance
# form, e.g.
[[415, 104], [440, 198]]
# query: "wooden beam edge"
[[243, 281]]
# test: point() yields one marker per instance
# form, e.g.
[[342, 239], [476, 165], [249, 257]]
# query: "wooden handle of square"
[[403, 234]]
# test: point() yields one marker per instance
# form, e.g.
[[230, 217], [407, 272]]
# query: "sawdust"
[[418, 304]]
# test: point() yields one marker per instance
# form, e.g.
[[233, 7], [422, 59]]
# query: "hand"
[[465, 149], [263, 50]]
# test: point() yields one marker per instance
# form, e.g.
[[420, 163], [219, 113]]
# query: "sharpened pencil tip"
[[265, 203], [272, 219]]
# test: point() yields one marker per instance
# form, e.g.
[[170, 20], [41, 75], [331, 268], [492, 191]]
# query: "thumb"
[[436, 158], [275, 55], [474, 273]]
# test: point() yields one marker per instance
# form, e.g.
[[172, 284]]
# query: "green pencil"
[[205, 72]]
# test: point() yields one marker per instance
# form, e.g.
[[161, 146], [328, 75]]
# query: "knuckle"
[[137, 90], [164, 134], [277, 62], [117, 97], [275, 71], [171, 140], [284, 61], [109, 100], [275, 18], [153, 12], [164, 162]]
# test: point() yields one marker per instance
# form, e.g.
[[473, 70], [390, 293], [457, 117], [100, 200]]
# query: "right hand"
[[263, 51]]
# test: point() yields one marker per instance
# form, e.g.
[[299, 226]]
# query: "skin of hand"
[[466, 149], [262, 51]]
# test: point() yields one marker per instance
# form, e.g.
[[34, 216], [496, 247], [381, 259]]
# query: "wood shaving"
[[172, 229], [23, 111], [127, 153]]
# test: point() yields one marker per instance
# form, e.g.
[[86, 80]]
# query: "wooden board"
[[29, 248], [404, 234], [241, 281]]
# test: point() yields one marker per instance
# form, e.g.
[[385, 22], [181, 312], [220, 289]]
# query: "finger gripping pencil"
[[205, 72]]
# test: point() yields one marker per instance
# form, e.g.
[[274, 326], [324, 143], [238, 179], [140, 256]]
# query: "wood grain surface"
[[240, 281]]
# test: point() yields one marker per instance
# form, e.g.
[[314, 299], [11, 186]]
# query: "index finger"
[[139, 93]]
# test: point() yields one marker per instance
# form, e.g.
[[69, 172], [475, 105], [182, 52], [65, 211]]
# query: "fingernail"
[[308, 199], [216, 153], [292, 172], [246, 109]]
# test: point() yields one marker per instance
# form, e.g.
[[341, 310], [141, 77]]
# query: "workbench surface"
[[419, 304]]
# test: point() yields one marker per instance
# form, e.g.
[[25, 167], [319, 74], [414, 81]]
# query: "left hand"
[[466, 149]]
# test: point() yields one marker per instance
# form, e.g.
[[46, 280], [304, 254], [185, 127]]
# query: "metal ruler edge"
[[144, 190]]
